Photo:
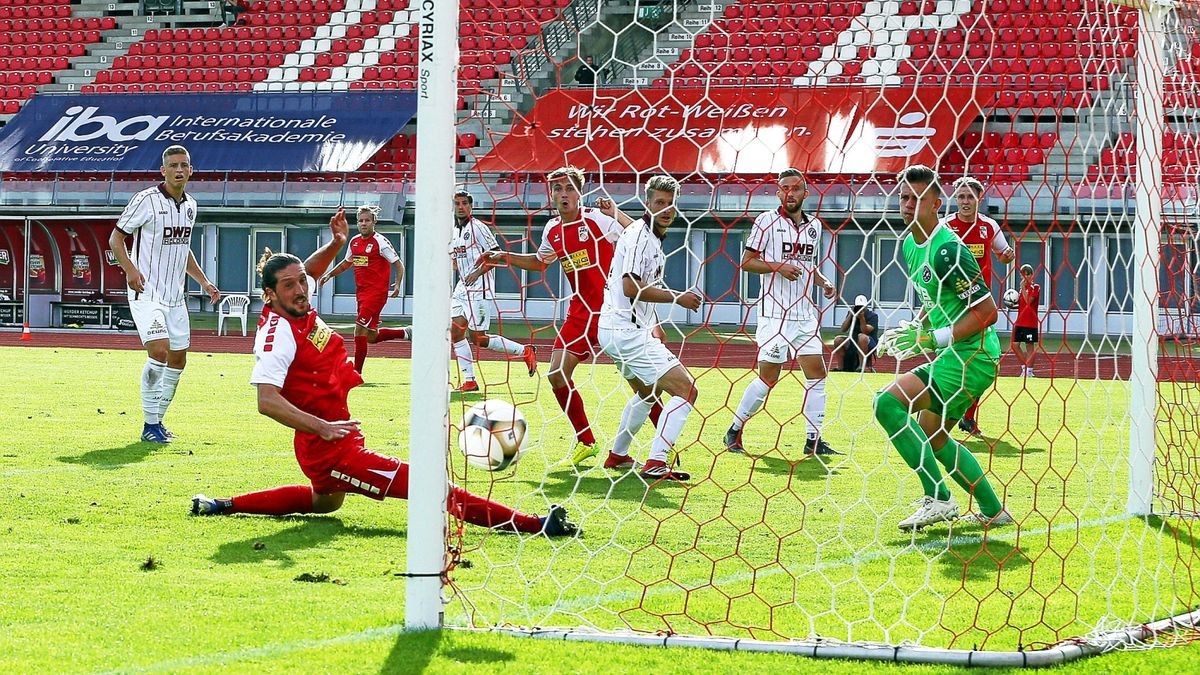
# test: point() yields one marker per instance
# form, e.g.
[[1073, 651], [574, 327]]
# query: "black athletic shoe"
[[818, 446], [970, 426], [555, 523], [733, 441]]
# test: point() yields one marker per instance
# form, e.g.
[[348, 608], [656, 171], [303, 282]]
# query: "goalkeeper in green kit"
[[955, 324]]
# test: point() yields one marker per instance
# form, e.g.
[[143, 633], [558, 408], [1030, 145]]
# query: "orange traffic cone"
[[26, 336]]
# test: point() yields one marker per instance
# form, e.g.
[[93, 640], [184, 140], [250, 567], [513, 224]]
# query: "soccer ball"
[[493, 435], [1012, 298]]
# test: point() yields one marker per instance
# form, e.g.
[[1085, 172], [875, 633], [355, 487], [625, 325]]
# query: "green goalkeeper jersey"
[[949, 283]]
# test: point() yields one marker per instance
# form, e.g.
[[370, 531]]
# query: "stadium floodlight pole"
[[1143, 379], [437, 92]]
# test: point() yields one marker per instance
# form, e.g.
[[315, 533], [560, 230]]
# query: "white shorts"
[[781, 339], [160, 322], [637, 354], [476, 308]]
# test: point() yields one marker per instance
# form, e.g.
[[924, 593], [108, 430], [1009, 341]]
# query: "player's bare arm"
[[752, 262], [195, 272], [272, 404], [398, 269], [1004, 252], [317, 263], [524, 261], [635, 290], [481, 267], [133, 276], [341, 267], [609, 208], [825, 284]]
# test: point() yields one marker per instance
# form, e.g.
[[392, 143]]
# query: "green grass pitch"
[[103, 569]]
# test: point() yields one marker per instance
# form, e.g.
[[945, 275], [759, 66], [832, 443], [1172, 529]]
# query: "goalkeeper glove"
[[911, 338]]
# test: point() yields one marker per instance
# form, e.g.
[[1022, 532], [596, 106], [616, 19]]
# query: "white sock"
[[814, 406], [152, 377], [499, 343], [632, 418], [670, 424], [466, 360], [752, 400], [170, 380]]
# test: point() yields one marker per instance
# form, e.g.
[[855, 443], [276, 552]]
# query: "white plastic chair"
[[233, 307]]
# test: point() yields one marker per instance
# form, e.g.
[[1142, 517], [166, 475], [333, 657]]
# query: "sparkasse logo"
[[82, 124]]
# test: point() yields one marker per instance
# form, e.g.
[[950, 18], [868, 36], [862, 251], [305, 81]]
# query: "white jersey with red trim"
[[162, 241], [779, 239], [471, 241]]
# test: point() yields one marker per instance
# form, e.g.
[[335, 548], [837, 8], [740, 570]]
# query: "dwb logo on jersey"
[[174, 236], [794, 251]]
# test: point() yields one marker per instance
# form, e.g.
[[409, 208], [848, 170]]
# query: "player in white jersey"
[[474, 299], [161, 219], [783, 247], [626, 334]]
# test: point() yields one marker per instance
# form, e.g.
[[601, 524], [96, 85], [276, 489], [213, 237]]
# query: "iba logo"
[[82, 124]]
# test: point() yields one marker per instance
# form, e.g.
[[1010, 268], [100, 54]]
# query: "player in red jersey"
[[983, 237], [373, 259], [581, 239], [1025, 336], [304, 376]]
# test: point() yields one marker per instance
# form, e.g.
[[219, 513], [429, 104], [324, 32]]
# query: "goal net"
[[1079, 119]]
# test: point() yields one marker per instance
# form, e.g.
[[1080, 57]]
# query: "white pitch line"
[[380, 632]]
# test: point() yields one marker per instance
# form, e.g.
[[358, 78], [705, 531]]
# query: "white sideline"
[[275, 650]]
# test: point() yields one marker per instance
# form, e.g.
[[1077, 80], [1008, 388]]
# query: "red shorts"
[[577, 336], [369, 310], [356, 470]]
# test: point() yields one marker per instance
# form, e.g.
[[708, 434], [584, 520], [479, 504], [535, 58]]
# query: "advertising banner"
[[301, 131], [747, 131]]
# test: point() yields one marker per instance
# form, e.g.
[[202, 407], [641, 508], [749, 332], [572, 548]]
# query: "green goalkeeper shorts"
[[957, 380]]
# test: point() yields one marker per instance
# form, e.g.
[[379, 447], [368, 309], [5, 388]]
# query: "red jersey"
[[981, 237], [307, 360], [584, 248], [372, 258], [1027, 310]]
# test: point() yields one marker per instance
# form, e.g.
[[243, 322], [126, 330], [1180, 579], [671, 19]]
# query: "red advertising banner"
[[746, 131]]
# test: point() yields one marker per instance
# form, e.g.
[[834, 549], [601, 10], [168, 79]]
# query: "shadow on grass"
[[412, 652], [628, 486], [116, 458], [998, 448], [310, 532], [1175, 529], [805, 467], [977, 558], [456, 395]]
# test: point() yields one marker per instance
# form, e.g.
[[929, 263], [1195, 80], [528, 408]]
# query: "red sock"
[[385, 334], [278, 501], [655, 412], [487, 513], [360, 352], [572, 404], [970, 414]]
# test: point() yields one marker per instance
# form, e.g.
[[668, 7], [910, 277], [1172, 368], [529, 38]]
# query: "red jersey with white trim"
[[307, 360], [584, 248], [981, 237], [1027, 310], [372, 257]]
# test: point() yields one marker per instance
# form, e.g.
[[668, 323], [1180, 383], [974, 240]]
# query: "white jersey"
[[778, 239], [162, 242], [638, 253], [471, 241]]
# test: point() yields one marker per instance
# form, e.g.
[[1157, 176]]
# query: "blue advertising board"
[[300, 131]]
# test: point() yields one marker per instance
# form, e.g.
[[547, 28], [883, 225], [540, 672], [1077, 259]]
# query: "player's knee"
[[480, 339], [372, 337], [886, 405], [558, 379], [327, 503]]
